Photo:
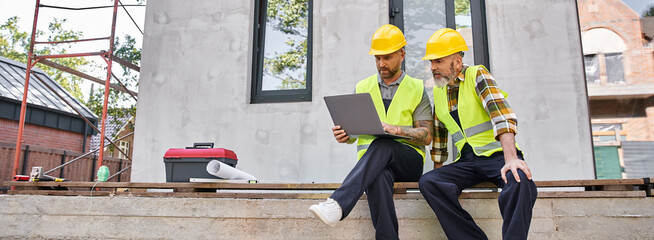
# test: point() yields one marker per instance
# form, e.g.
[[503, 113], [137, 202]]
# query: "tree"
[[289, 17], [120, 104], [649, 11], [14, 44]]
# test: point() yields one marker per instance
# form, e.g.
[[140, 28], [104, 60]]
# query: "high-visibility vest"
[[400, 112], [477, 127]]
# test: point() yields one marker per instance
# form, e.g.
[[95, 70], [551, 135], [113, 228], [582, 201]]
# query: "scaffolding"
[[107, 55]]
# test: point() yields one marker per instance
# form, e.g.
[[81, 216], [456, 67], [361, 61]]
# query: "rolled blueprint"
[[224, 171]]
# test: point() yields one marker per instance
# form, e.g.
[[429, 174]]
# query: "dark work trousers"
[[441, 188], [385, 162]]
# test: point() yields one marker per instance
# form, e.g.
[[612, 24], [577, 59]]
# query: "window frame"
[[259, 35], [478, 20]]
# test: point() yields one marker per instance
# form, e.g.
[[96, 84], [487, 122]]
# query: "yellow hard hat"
[[444, 42], [387, 39]]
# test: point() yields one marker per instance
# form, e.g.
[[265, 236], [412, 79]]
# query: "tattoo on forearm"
[[421, 133]]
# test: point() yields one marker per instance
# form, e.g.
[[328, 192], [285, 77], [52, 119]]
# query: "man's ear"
[[458, 62]]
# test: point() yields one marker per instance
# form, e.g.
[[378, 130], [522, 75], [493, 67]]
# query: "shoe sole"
[[319, 215]]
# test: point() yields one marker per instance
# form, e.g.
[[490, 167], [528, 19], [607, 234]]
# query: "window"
[[614, 68], [591, 62], [607, 132], [124, 146], [282, 51], [603, 61], [419, 19]]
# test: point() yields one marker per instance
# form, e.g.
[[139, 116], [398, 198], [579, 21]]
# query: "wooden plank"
[[282, 195], [266, 186], [592, 194], [59, 193], [306, 186], [592, 182]]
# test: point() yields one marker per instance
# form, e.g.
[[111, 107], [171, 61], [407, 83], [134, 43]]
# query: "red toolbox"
[[182, 164]]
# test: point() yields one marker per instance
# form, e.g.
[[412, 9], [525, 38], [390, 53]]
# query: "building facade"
[[203, 79], [619, 61]]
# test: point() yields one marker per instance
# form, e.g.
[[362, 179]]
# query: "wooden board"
[[402, 190]]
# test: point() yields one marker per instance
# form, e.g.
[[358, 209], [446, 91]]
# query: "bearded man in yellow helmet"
[[470, 106], [404, 109]]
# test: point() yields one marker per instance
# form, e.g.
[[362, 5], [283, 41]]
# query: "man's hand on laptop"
[[391, 129], [340, 134]]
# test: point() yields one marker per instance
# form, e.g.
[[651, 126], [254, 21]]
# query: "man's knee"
[[510, 177], [429, 181], [383, 142]]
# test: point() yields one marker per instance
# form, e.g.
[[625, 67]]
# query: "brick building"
[[619, 61], [49, 121], [117, 128]]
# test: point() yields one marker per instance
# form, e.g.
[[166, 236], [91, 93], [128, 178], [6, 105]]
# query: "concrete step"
[[121, 217]]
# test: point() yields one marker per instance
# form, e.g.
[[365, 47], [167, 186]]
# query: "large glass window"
[[591, 62], [614, 68], [282, 56], [421, 19], [418, 19]]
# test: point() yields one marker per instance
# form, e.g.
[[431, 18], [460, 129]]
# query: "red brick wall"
[[42, 136], [619, 18]]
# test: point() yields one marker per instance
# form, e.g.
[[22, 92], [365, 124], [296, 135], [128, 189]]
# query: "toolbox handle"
[[203, 145]]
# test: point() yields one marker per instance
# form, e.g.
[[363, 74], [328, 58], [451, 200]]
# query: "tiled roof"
[[12, 83], [114, 125]]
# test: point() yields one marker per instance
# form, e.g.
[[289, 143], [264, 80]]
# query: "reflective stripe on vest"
[[400, 112], [476, 124]]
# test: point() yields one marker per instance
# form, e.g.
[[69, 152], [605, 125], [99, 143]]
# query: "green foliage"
[[14, 44], [649, 11], [289, 17], [120, 103], [461, 7]]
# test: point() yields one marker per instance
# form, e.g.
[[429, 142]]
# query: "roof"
[[114, 125], [12, 82]]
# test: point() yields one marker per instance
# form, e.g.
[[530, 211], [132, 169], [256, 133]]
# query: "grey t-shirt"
[[422, 111]]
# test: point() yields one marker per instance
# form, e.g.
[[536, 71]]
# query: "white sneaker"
[[329, 211]]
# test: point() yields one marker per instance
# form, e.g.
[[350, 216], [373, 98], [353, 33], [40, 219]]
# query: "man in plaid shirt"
[[470, 106]]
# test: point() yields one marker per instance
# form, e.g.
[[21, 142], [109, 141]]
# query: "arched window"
[[603, 51]]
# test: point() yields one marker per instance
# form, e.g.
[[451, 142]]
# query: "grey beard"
[[440, 81]]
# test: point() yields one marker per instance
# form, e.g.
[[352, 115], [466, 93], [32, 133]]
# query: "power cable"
[[130, 16]]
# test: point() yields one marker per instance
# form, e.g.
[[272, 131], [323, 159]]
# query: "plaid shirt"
[[502, 116]]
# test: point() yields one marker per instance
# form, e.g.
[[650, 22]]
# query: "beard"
[[442, 80], [389, 74]]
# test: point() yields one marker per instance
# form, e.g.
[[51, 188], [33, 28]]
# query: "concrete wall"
[[195, 85], [535, 53], [51, 217]]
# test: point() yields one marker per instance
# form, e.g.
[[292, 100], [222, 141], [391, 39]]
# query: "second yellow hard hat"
[[387, 39], [444, 42]]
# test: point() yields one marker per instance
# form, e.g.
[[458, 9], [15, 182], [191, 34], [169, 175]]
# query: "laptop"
[[356, 114]]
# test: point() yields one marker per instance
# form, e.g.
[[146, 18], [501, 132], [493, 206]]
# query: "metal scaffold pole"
[[23, 107], [109, 59]]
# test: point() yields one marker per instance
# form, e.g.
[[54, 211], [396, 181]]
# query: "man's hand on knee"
[[513, 165]]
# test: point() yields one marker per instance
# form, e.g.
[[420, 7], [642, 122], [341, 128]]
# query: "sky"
[[638, 5], [92, 23]]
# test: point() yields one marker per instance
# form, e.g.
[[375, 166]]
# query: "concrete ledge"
[[122, 217]]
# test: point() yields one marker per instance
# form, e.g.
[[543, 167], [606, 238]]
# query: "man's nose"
[[433, 66], [383, 63]]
